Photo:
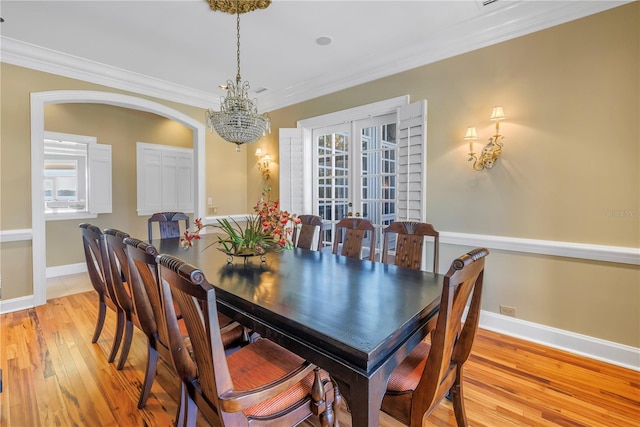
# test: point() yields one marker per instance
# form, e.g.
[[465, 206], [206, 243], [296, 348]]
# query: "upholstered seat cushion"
[[406, 376], [262, 362]]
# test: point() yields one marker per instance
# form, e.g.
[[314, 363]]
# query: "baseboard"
[[65, 270], [583, 345], [16, 304]]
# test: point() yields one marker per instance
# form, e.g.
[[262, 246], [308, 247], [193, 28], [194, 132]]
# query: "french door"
[[355, 173]]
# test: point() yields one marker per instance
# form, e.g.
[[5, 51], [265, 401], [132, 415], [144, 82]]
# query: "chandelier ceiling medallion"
[[238, 120]]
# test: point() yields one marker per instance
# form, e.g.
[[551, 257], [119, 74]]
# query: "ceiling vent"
[[482, 4]]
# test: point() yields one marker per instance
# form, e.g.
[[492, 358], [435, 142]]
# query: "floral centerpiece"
[[270, 229]]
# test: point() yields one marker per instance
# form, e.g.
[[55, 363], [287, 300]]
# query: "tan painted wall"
[[225, 170], [571, 95]]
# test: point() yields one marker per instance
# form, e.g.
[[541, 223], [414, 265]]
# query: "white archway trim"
[[38, 102]]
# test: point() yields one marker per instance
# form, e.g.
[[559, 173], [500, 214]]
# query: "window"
[[77, 176], [365, 162]]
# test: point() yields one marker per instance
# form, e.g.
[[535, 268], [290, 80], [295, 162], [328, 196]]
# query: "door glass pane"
[[333, 179], [368, 184], [378, 193]]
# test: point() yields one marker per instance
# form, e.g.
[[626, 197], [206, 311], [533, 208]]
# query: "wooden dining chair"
[[410, 237], [303, 237], [119, 280], [259, 384], [168, 223], [148, 305], [431, 371], [98, 269], [350, 232]]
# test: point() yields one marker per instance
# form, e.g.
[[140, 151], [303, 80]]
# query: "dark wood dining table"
[[356, 319]]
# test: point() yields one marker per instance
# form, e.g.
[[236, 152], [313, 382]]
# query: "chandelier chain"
[[238, 78]]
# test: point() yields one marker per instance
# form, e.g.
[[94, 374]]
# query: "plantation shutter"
[[99, 178], [291, 156], [412, 162]]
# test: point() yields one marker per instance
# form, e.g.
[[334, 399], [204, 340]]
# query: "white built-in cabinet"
[[165, 178]]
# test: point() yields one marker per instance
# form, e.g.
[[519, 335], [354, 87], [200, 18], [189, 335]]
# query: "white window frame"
[[298, 162], [99, 185]]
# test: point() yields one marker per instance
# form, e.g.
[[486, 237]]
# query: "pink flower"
[[274, 226]]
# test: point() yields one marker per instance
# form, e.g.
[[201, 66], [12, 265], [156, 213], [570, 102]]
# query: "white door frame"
[[38, 102]]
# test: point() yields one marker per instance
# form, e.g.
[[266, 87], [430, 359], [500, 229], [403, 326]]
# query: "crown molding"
[[504, 21], [501, 22], [35, 57]]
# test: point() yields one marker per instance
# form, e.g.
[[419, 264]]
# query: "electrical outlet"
[[210, 201], [508, 311]]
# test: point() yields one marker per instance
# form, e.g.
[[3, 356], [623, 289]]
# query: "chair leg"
[[190, 409], [102, 313], [337, 403], [126, 344], [180, 419], [458, 400], [149, 375], [118, 337]]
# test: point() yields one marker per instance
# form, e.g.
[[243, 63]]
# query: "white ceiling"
[[181, 50]]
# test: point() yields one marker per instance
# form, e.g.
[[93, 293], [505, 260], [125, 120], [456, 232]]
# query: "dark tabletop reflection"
[[351, 303]]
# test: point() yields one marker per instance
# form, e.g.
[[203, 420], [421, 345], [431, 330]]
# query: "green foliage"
[[248, 240]]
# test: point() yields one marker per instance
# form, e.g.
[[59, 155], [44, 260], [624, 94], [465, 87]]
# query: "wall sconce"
[[263, 163], [493, 149]]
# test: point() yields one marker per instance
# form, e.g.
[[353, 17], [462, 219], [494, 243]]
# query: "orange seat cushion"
[[262, 362], [407, 374]]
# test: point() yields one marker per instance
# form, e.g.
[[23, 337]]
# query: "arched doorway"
[[38, 102]]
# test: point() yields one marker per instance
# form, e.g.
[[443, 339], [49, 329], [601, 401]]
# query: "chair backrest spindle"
[[354, 230], [410, 237], [303, 238], [169, 224]]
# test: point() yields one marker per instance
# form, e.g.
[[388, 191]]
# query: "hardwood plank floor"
[[54, 376]]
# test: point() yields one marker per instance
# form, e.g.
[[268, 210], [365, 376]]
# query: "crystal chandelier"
[[238, 120]]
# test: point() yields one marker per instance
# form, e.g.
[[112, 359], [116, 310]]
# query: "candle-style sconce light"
[[264, 161], [490, 152]]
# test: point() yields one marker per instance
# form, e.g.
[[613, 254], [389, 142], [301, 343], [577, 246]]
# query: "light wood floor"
[[54, 376]]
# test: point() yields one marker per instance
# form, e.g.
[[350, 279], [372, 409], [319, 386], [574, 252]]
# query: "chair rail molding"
[[16, 235], [616, 254]]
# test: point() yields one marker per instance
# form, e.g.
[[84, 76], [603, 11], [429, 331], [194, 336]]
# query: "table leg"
[[365, 400]]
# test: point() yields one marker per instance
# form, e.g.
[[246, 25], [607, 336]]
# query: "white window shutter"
[[169, 181], [165, 176], [100, 178], [412, 162], [185, 182], [149, 171], [291, 156]]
